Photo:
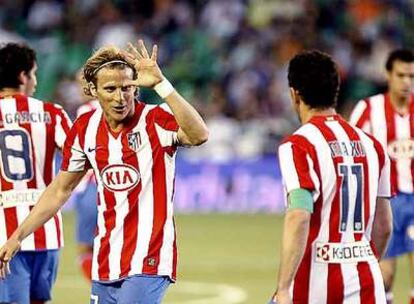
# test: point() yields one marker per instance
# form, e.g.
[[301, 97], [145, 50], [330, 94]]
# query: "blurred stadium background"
[[229, 58]]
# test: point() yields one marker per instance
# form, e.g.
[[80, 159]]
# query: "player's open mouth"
[[119, 109]]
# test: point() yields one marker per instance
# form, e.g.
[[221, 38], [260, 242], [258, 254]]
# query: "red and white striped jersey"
[[345, 170], [87, 107], [89, 177], [376, 115], [135, 171], [30, 132]]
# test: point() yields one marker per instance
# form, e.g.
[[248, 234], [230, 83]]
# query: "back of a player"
[[344, 174], [30, 132]]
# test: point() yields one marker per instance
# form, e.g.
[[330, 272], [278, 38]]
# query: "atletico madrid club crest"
[[134, 140]]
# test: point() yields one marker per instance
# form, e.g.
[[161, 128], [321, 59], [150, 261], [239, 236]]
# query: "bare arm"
[[51, 200], [193, 131], [295, 234], [382, 226]]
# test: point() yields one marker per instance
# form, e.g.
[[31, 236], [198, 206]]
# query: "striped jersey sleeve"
[[360, 116], [63, 125], [166, 125], [297, 167], [74, 156]]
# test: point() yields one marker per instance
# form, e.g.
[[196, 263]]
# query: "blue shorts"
[[402, 239], [32, 274], [86, 214], [138, 289]]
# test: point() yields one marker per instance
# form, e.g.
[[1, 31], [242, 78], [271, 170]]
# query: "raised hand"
[[149, 73], [9, 249]]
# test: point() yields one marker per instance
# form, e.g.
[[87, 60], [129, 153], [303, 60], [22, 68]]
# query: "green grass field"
[[223, 259]]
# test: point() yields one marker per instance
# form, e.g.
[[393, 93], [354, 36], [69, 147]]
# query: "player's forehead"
[[403, 67], [114, 75]]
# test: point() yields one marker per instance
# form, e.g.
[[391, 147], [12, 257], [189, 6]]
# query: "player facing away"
[[337, 182], [30, 132], [131, 148], [389, 118]]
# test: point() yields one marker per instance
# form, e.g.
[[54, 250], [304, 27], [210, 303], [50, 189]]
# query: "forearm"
[[382, 226], [188, 118], [48, 205], [296, 228]]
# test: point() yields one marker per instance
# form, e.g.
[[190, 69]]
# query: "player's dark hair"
[[14, 59], [404, 55], [315, 76]]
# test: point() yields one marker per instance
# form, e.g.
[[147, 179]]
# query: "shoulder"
[[374, 100]]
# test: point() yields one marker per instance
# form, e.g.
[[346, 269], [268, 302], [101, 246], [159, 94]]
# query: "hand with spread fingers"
[[7, 252], [149, 73]]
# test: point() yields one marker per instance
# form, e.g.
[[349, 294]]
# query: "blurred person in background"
[[336, 178], [131, 147], [30, 132], [389, 117]]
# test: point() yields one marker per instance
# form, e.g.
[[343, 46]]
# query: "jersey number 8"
[[16, 161]]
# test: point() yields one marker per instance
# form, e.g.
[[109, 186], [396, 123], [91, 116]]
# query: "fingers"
[[4, 269], [133, 51], [154, 52], [143, 49]]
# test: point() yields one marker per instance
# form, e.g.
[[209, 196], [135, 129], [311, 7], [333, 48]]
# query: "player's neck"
[[400, 103], [9, 92], [309, 113]]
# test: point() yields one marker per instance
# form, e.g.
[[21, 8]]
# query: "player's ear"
[[294, 95], [22, 77], [92, 89]]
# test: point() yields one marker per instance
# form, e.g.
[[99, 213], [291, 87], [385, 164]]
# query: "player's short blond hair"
[[108, 56]]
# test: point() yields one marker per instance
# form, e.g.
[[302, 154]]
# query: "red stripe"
[[160, 198], [10, 215], [365, 115], [174, 270], [109, 214], [5, 185], [335, 280], [412, 135], [165, 119], [366, 281], [390, 119], [301, 283], [302, 168], [58, 230], [131, 220], [50, 145], [22, 105]]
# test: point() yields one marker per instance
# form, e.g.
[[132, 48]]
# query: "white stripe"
[[51, 234], [378, 282], [351, 283], [60, 134], [38, 134], [116, 238], [404, 177], [357, 112], [288, 168], [146, 199], [378, 119], [166, 253], [3, 236], [28, 243]]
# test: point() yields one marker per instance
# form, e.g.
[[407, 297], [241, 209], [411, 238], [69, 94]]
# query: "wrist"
[[164, 88]]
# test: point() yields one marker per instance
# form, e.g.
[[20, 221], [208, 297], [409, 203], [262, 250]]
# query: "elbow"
[[201, 138]]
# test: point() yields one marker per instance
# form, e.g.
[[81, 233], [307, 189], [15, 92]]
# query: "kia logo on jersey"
[[120, 177], [401, 149]]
